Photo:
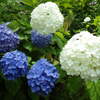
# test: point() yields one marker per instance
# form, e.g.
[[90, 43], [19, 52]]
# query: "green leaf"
[[28, 46], [14, 26], [76, 88], [58, 41], [93, 89], [67, 5], [60, 35], [29, 2], [97, 21]]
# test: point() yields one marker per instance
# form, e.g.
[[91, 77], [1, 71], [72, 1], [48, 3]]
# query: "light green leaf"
[[60, 35], [93, 89]]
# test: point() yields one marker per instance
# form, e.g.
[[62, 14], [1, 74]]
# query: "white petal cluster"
[[81, 56], [87, 19], [46, 18]]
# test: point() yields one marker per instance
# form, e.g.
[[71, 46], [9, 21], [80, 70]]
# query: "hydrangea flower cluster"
[[42, 77], [14, 64], [46, 18], [40, 40], [8, 39], [81, 56], [87, 19]]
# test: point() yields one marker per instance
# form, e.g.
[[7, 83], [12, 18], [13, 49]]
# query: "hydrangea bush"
[[8, 39], [81, 56], [49, 50], [40, 40], [46, 18], [42, 77], [14, 65]]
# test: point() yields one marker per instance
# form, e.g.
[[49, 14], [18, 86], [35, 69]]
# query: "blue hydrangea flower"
[[14, 64], [42, 77], [8, 39], [40, 40]]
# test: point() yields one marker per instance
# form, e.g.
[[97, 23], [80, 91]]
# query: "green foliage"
[[17, 12], [97, 24], [94, 89]]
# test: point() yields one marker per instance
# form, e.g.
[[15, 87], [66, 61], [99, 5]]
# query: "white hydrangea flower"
[[87, 19], [81, 56], [46, 18]]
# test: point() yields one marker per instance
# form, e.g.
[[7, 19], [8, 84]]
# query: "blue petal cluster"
[[8, 39], [14, 64], [40, 40], [42, 77]]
